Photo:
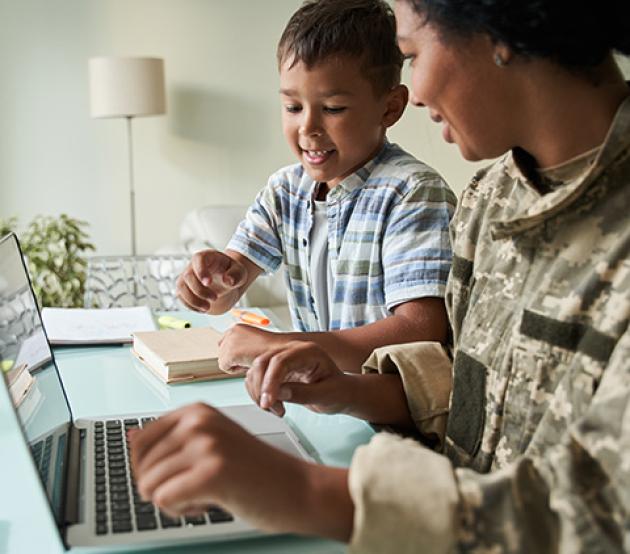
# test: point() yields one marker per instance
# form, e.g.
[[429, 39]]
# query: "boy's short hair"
[[365, 29]]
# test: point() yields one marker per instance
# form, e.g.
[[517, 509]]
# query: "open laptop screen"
[[30, 374]]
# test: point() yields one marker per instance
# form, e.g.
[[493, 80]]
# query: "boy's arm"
[[423, 319], [214, 281]]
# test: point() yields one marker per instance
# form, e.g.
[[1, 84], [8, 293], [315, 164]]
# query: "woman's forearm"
[[329, 503]]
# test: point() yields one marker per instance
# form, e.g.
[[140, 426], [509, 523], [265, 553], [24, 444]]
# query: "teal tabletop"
[[107, 381]]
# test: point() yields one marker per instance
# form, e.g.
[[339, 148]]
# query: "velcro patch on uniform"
[[467, 416], [572, 336], [461, 268]]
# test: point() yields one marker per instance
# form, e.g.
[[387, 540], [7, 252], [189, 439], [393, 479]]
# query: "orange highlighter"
[[250, 317]]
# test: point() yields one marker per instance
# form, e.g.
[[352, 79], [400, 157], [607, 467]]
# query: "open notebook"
[[67, 326]]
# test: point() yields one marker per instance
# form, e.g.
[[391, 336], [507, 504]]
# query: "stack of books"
[[20, 383]]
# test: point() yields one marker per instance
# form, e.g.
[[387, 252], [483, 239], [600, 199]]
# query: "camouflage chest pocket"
[[549, 378]]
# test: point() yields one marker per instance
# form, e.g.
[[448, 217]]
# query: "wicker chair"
[[19, 319], [121, 281]]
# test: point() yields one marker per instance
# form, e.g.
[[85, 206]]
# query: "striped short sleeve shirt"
[[388, 239]]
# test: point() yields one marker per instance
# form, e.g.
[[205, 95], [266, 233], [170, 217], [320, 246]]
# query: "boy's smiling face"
[[332, 118]]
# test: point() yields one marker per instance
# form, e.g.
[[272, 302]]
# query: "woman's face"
[[460, 84]]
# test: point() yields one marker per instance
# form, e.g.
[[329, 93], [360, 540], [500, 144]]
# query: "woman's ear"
[[395, 105], [502, 55]]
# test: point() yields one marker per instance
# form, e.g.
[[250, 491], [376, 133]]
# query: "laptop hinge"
[[73, 477]]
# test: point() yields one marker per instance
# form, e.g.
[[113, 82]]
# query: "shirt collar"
[[360, 176], [614, 149]]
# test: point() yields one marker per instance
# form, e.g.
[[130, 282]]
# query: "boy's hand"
[[242, 344], [211, 282], [299, 372], [196, 456]]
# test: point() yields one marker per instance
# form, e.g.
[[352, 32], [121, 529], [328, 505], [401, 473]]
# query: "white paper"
[[96, 326]]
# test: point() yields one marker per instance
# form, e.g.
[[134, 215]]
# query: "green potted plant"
[[55, 249], [7, 225]]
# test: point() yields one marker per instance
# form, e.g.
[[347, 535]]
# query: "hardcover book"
[[180, 355]]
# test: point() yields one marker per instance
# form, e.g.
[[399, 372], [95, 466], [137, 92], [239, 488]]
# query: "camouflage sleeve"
[[405, 498], [425, 370], [573, 497]]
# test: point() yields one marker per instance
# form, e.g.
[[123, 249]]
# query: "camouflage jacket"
[[538, 435]]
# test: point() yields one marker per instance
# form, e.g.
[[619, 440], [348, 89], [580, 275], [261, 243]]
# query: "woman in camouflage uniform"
[[536, 453]]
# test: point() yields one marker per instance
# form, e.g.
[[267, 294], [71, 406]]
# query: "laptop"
[[83, 464]]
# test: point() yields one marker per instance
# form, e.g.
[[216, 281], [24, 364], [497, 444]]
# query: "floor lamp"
[[127, 87]]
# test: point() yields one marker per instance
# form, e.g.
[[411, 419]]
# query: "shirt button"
[[308, 204], [303, 242]]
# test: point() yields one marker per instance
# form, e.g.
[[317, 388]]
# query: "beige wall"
[[217, 144]]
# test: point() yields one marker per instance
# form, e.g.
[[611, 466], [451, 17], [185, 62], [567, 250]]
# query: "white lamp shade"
[[126, 87]]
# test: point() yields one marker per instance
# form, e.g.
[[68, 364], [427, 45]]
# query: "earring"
[[498, 60]]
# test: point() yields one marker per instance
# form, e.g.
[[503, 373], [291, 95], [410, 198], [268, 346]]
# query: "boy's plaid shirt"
[[387, 237]]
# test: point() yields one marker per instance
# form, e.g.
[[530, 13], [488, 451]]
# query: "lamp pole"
[[127, 87], [132, 190]]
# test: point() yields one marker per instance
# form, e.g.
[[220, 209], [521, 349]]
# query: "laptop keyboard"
[[42, 451], [118, 506], [48, 454]]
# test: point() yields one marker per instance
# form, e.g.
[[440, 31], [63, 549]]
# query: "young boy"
[[361, 226]]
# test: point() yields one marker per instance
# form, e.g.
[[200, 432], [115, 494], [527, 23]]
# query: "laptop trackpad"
[[282, 441], [267, 427], [255, 420]]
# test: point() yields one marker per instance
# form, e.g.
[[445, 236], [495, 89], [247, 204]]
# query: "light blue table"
[[105, 381]]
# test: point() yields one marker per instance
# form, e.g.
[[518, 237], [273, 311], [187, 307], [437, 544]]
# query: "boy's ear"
[[396, 102]]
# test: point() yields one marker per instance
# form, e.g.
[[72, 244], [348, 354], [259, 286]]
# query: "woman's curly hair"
[[573, 33]]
